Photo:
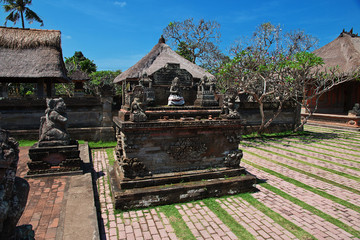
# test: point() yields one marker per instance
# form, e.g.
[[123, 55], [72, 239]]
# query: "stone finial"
[[162, 39]]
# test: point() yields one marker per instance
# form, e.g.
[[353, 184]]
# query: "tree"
[[260, 68], [79, 61], [17, 9], [103, 79], [195, 42]]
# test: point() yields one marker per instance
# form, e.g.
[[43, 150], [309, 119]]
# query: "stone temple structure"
[[174, 149], [54, 152]]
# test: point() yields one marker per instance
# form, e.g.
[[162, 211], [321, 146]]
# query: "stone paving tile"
[[317, 155], [311, 160], [45, 201], [203, 223], [338, 211], [325, 174], [141, 224], [315, 183], [335, 151], [253, 220], [308, 221]]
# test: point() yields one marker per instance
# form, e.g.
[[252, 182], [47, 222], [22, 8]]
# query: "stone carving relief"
[[186, 149], [53, 124], [133, 168], [231, 104], [137, 107], [356, 110], [13, 191], [233, 159]]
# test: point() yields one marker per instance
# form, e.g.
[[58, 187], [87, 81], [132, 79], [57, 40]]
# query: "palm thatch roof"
[[157, 58], [344, 52], [28, 55], [79, 76]]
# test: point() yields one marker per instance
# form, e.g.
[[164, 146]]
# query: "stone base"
[[54, 159], [177, 187]]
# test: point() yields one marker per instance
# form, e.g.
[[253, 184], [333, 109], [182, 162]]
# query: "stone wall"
[[89, 118]]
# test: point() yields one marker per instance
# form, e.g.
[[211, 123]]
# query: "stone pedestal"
[[205, 98], [167, 161], [54, 159]]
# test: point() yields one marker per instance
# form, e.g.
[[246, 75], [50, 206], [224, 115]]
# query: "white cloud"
[[121, 4], [67, 37]]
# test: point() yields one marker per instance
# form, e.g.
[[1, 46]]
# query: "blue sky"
[[118, 33]]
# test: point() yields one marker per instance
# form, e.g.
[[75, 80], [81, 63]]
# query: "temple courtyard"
[[308, 188]]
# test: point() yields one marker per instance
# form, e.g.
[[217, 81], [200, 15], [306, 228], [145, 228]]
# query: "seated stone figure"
[[175, 98], [137, 114], [53, 124], [230, 105], [13, 191], [356, 110]]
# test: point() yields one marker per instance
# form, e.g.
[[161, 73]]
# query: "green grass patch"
[[272, 135], [26, 143], [226, 218], [110, 154], [312, 165], [307, 187], [102, 144], [306, 173], [312, 209], [182, 231], [291, 227]]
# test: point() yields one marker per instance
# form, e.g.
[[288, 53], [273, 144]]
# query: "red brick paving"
[[45, 201]]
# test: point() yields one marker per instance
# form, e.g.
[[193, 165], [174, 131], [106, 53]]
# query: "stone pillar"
[[49, 90], [106, 111], [3, 90], [40, 89]]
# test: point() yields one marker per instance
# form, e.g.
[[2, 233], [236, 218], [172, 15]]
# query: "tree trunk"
[[261, 108], [22, 20]]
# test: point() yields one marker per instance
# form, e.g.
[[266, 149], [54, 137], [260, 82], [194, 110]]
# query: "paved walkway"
[[202, 223], [321, 175]]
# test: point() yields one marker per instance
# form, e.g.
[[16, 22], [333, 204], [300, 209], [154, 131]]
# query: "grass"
[[226, 218], [312, 209], [291, 227], [271, 135], [182, 231], [306, 173], [304, 186], [110, 154], [100, 144]]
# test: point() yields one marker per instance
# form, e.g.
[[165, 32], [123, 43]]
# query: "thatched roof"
[[79, 75], [27, 55], [344, 52], [157, 58]]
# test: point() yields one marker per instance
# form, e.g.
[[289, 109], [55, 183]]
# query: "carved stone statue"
[[53, 124], [137, 114], [356, 110], [233, 159], [206, 85], [175, 98], [13, 191], [230, 105]]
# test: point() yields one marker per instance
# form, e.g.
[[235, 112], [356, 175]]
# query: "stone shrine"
[[168, 152], [54, 152]]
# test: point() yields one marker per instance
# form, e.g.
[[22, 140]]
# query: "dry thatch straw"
[[30, 55], [29, 38]]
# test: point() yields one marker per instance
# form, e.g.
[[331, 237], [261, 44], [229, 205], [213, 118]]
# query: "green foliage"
[[101, 79], [102, 144], [184, 51], [21, 89], [19, 9], [79, 61]]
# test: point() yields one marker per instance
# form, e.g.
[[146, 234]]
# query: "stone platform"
[[169, 188], [55, 159]]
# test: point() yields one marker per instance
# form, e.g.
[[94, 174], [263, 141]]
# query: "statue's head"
[[56, 104], [175, 81]]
